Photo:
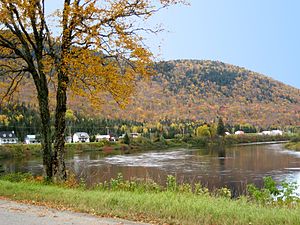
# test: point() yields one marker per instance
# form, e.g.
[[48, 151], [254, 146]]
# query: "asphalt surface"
[[14, 213]]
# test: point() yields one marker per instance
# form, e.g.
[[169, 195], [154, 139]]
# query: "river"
[[233, 167]]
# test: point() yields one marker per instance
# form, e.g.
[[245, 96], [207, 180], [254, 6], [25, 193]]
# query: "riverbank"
[[293, 146], [141, 144], [294, 143], [155, 207]]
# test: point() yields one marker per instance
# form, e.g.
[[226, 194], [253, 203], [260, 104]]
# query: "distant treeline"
[[24, 119]]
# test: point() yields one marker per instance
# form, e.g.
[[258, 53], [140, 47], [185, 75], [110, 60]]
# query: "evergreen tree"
[[221, 127], [126, 139]]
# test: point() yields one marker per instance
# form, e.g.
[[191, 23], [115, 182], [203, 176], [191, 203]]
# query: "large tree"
[[95, 46]]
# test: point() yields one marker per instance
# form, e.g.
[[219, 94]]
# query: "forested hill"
[[199, 90], [206, 78], [204, 90]]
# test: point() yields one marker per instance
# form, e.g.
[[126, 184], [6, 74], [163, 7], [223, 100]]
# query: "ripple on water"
[[154, 159]]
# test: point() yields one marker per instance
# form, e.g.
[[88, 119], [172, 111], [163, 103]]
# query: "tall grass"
[[169, 206]]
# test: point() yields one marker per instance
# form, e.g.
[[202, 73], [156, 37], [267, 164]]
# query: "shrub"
[[126, 139], [295, 139], [203, 131]]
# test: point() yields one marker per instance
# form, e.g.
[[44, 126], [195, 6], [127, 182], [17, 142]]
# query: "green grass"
[[293, 146], [162, 207]]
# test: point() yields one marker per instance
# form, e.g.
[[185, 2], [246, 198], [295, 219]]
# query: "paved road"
[[14, 213]]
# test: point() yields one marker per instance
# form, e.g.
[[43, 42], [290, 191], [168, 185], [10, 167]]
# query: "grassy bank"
[[19, 150], [293, 146], [252, 138], [23, 150], [155, 207], [227, 140], [104, 147], [294, 143]]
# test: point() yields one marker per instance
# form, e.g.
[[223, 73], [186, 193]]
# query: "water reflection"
[[234, 167]]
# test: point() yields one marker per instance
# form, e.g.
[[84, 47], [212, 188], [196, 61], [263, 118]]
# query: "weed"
[[273, 193], [171, 183]]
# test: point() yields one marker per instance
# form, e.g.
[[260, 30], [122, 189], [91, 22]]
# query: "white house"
[[276, 132], [106, 137], [8, 137], [81, 137], [266, 132], [31, 139], [132, 135], [101, 137], [239, 132], [272, 132]]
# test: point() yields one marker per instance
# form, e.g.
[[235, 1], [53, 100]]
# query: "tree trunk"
[[43, 98], [59, 170]]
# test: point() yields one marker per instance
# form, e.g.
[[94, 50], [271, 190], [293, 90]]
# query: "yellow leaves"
[[145, 130], [136, 129], [203, 131], [169, 2], [98, 46], [106, 52], [4, 120], [19, 117], [70, 115], [124, 128], [90, 73]]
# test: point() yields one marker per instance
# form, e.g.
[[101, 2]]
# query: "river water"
[[233, 167]]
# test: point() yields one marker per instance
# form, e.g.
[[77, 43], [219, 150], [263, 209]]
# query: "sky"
[[260, 35]]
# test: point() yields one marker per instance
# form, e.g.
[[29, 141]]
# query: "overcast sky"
[[261, 35]]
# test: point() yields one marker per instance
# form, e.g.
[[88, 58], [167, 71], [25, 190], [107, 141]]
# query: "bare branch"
[[13, 86]]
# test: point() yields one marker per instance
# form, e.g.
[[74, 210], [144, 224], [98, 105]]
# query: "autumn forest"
[[181, 91]]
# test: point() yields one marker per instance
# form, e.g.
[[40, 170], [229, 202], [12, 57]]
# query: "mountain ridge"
[[230, 64], [205, 89]]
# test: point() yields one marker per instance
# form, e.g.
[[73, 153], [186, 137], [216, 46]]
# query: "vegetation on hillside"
[[205, 90], [191, 90]]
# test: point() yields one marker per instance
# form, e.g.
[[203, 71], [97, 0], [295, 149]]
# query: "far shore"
[[144, 144]]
